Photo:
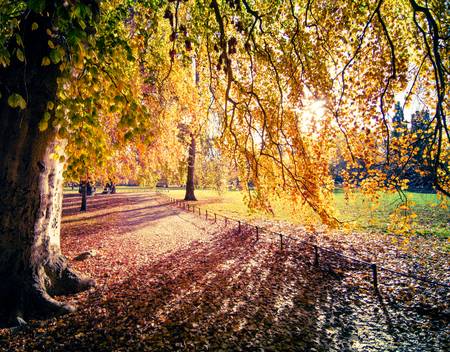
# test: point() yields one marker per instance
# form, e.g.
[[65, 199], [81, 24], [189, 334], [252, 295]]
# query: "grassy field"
[[360, 212]]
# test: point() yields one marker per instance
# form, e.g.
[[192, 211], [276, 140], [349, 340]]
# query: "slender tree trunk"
[[32, 268], [191, 171], [83, 197]]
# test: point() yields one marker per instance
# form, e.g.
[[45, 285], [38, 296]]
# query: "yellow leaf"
[[45, 61], [17, 101], [43, 125], [82, 24], [34, 26]]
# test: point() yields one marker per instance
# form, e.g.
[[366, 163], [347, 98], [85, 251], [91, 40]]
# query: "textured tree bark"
[[32, 268], [191, 171]]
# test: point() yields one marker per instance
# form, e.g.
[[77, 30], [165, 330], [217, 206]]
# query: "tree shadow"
[[229, 293], [72, 203], [114, 214]]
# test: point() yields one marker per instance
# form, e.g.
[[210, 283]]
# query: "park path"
[[170, 281], [140, 218], [128, 229]]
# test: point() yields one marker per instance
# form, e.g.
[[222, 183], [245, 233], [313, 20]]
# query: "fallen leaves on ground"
[[168, 280]]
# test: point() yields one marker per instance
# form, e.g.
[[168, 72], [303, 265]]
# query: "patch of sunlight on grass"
[[431, 218]]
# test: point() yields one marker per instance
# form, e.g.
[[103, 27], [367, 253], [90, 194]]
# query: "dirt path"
[[142, 221], [168, 280]]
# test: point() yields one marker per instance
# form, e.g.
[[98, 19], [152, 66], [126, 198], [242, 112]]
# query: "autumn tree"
[[32, 266], [46, 47], [273, 63], [190, 99], [267, 67]]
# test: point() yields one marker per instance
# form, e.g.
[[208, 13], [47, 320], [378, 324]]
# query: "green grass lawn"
[[359, 211], [432, 218]]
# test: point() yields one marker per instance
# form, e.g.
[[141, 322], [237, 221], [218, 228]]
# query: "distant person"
[[107, 188]]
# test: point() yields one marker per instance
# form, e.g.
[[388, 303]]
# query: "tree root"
[[31, 297], [44, 306], [73, 282], [64, 281]]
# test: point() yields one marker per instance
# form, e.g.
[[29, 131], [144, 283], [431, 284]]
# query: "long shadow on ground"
[[119, 213], [229, 294]]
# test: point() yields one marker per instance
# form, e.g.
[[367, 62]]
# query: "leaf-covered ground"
[[168, 280]]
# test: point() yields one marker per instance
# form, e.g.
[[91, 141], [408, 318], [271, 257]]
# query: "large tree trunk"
[[32, 268], [191, 171]]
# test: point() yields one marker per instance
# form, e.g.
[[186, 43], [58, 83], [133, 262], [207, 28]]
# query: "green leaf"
[[46, 116], [17, 101], [19, 40], [55, 55], [20, 56]]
